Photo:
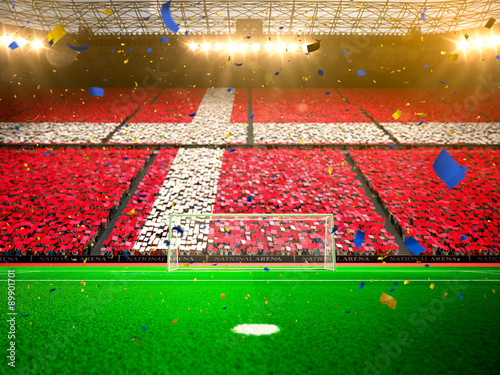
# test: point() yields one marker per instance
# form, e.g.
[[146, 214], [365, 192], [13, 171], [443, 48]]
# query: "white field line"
[[228, 281]]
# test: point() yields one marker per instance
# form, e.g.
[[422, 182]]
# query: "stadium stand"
[[464, 220], [58, 201]]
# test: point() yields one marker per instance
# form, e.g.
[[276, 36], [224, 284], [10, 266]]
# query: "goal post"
[[249, 237]]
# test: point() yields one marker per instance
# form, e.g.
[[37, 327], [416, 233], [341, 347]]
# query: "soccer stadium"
[[250, 187]]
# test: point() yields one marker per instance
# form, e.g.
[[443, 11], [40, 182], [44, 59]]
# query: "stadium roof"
[[278, 17]]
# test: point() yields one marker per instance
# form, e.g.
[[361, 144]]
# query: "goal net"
[[297, 240]]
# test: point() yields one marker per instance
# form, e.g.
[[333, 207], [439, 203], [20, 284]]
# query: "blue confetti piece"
[[421, 122], [249, 198], [463, 238], [167, 18], [167, 243], [17, 128], [281, 27], [51, 290], [334, 230], [102, 62], [427, 265], [461, 296], [147, 18], [178, 229], [113, 50], [392, 145], [231, 149], [192, 114], [238, 64], [13, 45], [229, 89], [125, 158], [423, 17], [96, 91], [347, 312], [79, 49], [277, 73], [108, 164], [129, 49], [164, 40], [443, 83], [320, 72], [266, 269], [344, 52], [26, 315], [497, 57], [214, 264], [359, 238], [362, 285], [252, 115], [149, 49], [361, 73], [142, 195], [191, 262], [426, 66], [225, 307], [392, 289], [162, 164], [248, 37], [47, 153]]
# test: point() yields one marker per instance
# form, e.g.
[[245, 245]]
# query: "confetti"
[[313, 47], [167, 17], [448, 169], [388, 301], [83, 283], [178, 229], [144, 328], [51, 290], [359, 238], [490, 23], [174, 321], [13, 45], [362, 285], [431, 286], [222, 296], [55, 34], [96, 91], [131, 212], [361, 73], [334, 230], [192, 114], [397, 114], [266, 269], [412, 244], [79, 49], [407, 282], [320, 72]]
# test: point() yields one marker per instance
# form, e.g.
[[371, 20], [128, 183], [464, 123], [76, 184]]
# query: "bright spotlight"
[[255, 47], [478, 43], [269, 46], [463, 44], [231, 46], [193, 46], [492, 41], [37, 44], [242, 47], [293, 47], [281, 47], [21, 42], [6, 40], [205, 46], [219, 47]]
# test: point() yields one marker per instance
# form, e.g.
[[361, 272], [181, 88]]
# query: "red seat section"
[[480, 105], [425, 208], [415, 105], [240, 106], [128, 226], [173, 105], [299, 181], [32, 102], [297, 106], [114, 106], [59, 200]]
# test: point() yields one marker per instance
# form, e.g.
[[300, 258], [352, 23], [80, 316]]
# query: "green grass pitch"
[[147, 321]]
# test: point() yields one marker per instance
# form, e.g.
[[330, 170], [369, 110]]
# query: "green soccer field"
[[91, 320]]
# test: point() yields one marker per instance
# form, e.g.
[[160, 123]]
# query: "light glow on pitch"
[[280, 47]]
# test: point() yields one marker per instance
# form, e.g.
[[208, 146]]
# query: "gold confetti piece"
[[174, 321], [330, 170], [388, 301], [397, 114], [407, 282], [108, 12], [83, 283], [228, 135], [126, 61], [446, 294], [131, 212], [432, 286], [493, 290], [222, 295]]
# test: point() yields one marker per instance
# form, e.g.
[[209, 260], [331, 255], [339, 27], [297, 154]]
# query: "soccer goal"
[[281, 239]]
